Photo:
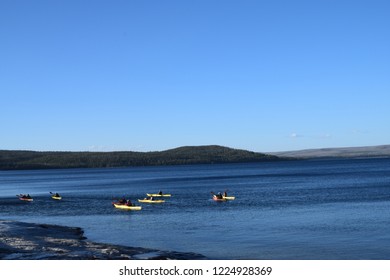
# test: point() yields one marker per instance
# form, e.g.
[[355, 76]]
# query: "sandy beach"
[[29, 241]]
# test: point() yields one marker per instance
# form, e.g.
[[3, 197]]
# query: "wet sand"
[[29, 241]]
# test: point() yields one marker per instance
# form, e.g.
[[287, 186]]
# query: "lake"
[[311, 209]]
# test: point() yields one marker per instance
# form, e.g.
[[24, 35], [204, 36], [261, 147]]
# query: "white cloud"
[[98, 148], [325, 136], [295, 135], [358, 131]]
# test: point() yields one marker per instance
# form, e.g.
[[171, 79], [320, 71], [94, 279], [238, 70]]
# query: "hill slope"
[[369, 151], [183, 155]]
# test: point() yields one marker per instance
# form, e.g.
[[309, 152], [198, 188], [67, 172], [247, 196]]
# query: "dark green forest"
[[10, 160]]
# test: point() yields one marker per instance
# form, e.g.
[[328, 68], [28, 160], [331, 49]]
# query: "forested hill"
[[184, 155]]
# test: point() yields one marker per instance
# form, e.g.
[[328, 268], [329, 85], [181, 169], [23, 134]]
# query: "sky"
[[143, 75]]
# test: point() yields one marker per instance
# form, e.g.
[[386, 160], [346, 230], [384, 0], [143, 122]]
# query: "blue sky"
[[152, 75]]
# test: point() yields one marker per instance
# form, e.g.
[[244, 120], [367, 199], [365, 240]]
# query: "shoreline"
[[33, 241]]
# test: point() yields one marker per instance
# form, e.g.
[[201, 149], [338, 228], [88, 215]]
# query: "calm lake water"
[[317, 209]]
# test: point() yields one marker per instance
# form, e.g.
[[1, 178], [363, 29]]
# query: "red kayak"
[[25, 198], [218, 199]]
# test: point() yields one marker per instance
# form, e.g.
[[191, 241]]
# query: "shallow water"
[[328, 209]]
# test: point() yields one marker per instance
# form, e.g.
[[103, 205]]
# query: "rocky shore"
[[28, 241]]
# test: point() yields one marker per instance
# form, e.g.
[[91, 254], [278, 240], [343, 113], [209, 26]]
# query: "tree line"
[[10, 160]]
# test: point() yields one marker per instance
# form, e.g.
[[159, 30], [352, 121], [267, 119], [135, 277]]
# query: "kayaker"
[[225, 194], [129, 203], [160, 193], [122, 200], [219, 195], [57, 195]]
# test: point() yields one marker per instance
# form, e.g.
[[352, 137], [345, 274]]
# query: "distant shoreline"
[[189, 155], [381, 151], [24, 160], [31, 241]]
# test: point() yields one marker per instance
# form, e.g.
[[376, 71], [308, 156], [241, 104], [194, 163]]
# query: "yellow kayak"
[[229, 197], [124, 206], [151, 201], [158, 195], [55, 196]]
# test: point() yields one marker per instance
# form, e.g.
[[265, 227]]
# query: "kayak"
[[218, 199], [151, 201], [55, 196], [159, 195], [124, 206], [229, 197], [25, 198]]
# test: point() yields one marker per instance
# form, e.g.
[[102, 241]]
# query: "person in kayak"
[[159, 192], [219, 195], [57, 195], [122, 200], [129, 203], [225, 194]]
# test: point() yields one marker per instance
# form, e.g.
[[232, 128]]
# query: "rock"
[[30, 241]]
